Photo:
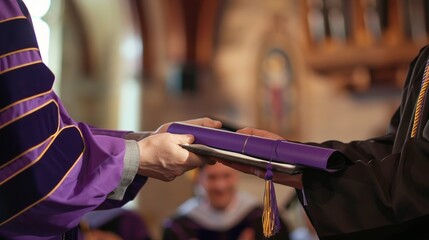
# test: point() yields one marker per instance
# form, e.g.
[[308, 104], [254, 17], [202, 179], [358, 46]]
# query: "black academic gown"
[[383, 193]]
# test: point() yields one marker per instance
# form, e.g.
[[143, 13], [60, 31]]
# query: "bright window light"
[[38, 8]]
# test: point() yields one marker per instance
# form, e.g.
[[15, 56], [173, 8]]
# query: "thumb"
[[185, 138], [246, 130]]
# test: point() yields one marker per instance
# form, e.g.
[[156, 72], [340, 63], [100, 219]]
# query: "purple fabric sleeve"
[[108, 132], [55, 169], [275, 150], [130, 194], [10, 9]]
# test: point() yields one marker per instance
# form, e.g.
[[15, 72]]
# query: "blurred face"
[[220, 182]]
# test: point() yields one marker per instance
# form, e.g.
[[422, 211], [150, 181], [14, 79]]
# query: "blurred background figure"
[[219, 210], [115, 224]]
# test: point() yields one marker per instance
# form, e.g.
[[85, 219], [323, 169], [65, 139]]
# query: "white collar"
[[199, 210]]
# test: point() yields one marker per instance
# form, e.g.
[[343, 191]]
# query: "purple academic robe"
[[53, 170]]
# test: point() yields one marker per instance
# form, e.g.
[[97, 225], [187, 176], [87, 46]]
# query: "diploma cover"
[[285, 156]]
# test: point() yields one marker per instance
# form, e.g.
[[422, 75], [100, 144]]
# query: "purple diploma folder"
[[279, 151]]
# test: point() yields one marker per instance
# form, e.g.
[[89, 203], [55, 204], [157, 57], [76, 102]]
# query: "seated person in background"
[[114, 224], [219, 211]]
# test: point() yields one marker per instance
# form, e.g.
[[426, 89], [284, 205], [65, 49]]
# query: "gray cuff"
[[137, 136], [131, 166]]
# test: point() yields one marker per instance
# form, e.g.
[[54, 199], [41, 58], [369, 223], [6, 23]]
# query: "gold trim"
[[30, 112], [25, 152], [12, 18], [43, 153], [38, 145], [419, 104], [20, 66], [56, 187], [26, 99], [19, 51]]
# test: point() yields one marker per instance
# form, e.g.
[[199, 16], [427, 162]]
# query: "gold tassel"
[[270, 220], [270, 215]]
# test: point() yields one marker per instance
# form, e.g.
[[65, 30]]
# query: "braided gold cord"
[[422, 93]]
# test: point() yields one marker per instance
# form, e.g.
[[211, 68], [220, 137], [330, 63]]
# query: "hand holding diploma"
[[161, 156]]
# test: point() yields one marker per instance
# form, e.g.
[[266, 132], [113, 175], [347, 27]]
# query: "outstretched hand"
[[282, 178], [162, 157]]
